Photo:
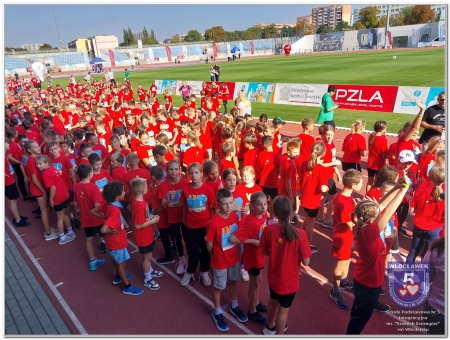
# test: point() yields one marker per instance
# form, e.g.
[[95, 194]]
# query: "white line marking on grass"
[[199, 295], [47, 280]]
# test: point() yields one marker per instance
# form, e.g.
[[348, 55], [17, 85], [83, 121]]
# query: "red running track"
[[101, 308]]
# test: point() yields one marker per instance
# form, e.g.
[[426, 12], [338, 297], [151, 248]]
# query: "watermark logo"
[[409, 283]]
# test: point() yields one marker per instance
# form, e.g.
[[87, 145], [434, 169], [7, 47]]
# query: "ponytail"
[[289, 232], [282, 210], [372, 138], [437, 176], [379, 126], [353, 128], [317, 150], [365, 211]]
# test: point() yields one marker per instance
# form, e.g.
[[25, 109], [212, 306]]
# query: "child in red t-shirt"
[[198, 200], [279, 242], [354, 147], [58, 197], [252, 257], [143, 233], [224, 257], [343, 235], [288, 174], [101, 177], [251, 153], [88, 196], [118, 171], [378, 151], [229, 160], [307, 140], [211, 175], [115, 234]]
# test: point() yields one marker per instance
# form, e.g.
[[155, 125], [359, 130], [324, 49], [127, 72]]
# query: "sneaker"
[[347, 285], [156, 273], [186, 278], [244, 275], [220, 322], [103, 247], [132, 290], [238, 314], [295, 219], [381, 307], [35, 211], [93, 265], [273, 330], [180, 267], [314, 249], [258, 318], [23, 217], [206, 279], [261, 307], [52, 230], [151, 284], [72, 235], [77, 224], [165, 260], [339, 300], [382, 292], [66, 240], [128, 230], [328, 224], [118, 280], [38, 215], [21, 223], [53, 235]]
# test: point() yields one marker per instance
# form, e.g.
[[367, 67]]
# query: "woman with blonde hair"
[[243, 104]]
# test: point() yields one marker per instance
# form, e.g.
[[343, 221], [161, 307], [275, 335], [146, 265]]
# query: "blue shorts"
[[120, 256]]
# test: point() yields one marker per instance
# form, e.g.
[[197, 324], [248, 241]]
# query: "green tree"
[[368, 16], [287, 31], [359, 25], [153, 39], [128, 38], [176, 39], [270, 31], [216, 33], [324, 29], [382, 22], [145, 37], [437, 16], [304, 28], [192, 36], [45, 47], [343, 26], [422, 14], [252, 33], [407, 16]]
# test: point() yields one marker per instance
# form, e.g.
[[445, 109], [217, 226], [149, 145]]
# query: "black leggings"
[[402, 214], [20, 180], [194, 239]]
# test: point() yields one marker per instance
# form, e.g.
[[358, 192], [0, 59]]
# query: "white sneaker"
[[72, 235], [204, 276], [66, 239], [244, 275], [180, 267], [52, 230], [186, 279], [53, 235]]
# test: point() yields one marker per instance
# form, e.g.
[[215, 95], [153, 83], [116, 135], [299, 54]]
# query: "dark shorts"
[[38, 86], [271, 192], [62, 206], [285, 301], [93, 231], [146, 249], [119, 130], [346, 166], [333, 189], [11, 191], [71, 196], [372, 172], [255, 271], [312, 212]]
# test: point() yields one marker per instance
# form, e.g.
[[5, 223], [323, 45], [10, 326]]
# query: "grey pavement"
[[28, 310]]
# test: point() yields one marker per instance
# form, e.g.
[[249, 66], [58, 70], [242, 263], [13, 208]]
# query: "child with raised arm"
[[354, 147], [87, 196], [224, 257], [143, 233], [287, 248], [378, 151], [115, 234]]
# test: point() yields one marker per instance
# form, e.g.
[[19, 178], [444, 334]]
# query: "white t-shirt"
[[245, 109]]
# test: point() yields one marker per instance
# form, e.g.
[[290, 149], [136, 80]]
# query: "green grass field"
[[419, 67]]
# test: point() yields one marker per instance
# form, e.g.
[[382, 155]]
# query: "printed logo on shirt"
[[102, 141], [73, 162], [261, 229], [176, 194], [226, 233], [280, 242], [101, 183], [11, 169], [58, 166], [237, 205], [98, 152], [196, 203], [24, 160]]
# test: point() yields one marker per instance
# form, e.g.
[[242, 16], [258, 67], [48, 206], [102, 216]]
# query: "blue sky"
[[79, 21]]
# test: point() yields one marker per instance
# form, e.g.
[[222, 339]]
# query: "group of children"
[[216, 187]]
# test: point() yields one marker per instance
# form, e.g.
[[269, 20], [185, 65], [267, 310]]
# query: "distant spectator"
[[185, 89], [217, 68], [326, 114], [433, 121], [16, 75], [212, 73], [111, 77]]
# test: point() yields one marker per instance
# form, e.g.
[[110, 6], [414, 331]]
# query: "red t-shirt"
[[156, 203], [15, 150], [216, 186], [370, 265], [194, 154], [225, 164], [374, 193], [87, 195], [311, 182], [328, 157], [252, 229], [375, 159], [305, 147], [118, 173], [248, 191], [100, 150], [250, 157], [287, 170], [428, 214], [354, 143], [225, 254], [425, 165], [143, 152], [103, 140], [141, 214], [101, 179], [51, 177], [175, 208], [9, 173], [167, 101], [63, 165], [32, 169], [392, 156], [266, 164], [342, 235], [136, 173], [114, 220], [284, 258], [198, 201]]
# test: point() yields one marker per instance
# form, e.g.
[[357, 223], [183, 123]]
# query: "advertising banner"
[[433, 95], [252, 47], [413, 38], [169, 53], [260, 92], [367, 39], [131, 52], [238, 87], [328, 41], [299, 94], [215, 50], [111, 56], [151, 56], [405, 99], [370, 98], [441, 32], [164, 84], [389, 34], [230, 85], [185, 54], [196, 87], [241, 47]]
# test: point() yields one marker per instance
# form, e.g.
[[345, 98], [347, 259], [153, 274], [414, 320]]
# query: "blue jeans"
[[421, 240]]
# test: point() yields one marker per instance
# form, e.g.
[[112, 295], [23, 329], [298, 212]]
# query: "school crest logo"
[[409, 283]]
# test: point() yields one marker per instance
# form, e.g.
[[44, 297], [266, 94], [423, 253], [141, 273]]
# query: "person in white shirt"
[[244, 105], [111, 77]]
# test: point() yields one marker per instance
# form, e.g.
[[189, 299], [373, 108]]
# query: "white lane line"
[[47, 280], [232, 319], [59, 284]]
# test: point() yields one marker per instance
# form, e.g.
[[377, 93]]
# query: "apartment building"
[[330, 15]]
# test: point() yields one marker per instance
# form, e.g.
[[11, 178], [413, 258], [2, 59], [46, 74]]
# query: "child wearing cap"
[[278, 122]]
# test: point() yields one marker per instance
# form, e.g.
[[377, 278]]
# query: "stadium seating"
[[13, 63], [67, 59], [120, 56]]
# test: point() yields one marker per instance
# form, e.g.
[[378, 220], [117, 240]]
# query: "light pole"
[[386, 30], [57, 30]]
